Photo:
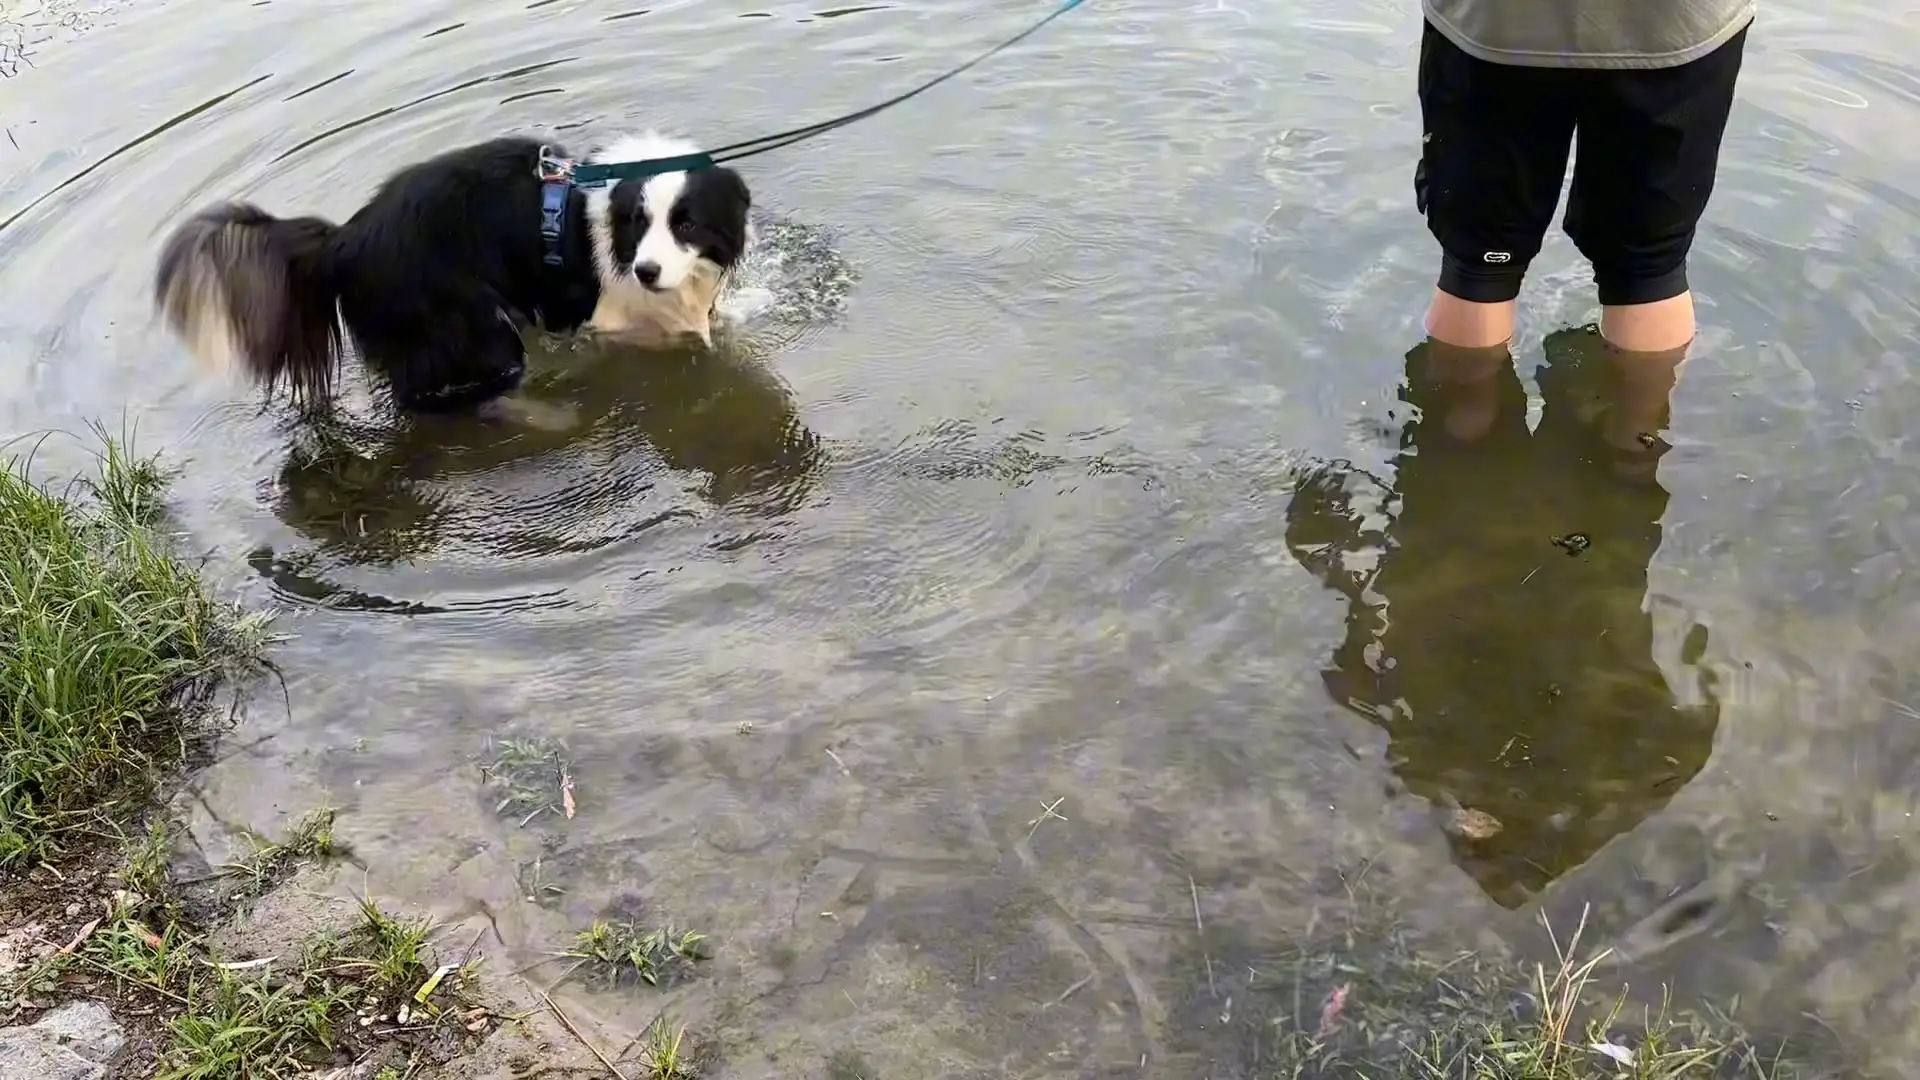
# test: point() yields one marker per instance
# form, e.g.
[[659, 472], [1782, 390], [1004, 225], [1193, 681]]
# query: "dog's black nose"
[[648, 273]]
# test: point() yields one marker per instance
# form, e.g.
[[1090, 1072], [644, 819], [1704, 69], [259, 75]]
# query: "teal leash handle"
[[594, 174]]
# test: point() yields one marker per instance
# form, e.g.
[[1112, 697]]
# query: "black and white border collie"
[[434, 279]]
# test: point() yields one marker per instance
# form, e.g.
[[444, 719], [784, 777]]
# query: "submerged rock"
[[1471, 824], [78, 1041]]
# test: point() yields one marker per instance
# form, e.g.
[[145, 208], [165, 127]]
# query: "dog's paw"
[[527, 413]]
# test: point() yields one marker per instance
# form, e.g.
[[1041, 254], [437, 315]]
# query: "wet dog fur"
[[435, 277]]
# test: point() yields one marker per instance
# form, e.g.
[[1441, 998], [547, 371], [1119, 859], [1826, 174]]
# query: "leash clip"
[[551, 169]]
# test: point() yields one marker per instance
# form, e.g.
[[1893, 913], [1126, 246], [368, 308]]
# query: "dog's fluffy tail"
[[255, 294]]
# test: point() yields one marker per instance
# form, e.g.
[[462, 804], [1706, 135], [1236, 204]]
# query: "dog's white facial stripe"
[[658, 246]]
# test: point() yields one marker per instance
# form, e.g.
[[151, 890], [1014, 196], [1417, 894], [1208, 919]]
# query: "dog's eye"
[[679, 220]]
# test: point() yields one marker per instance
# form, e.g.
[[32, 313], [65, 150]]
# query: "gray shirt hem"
[[1616, 61]]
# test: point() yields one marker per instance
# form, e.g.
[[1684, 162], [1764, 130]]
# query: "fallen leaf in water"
[[85, 933], [1330, 1012], [566, 793], [1615, 1051], [243, 965], [433, 982]]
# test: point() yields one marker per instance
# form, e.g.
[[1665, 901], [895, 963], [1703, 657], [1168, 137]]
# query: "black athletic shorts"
[[1497, 138]]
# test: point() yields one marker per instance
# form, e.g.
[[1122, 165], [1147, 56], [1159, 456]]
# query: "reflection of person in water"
[[379, 494], [1495, 622]]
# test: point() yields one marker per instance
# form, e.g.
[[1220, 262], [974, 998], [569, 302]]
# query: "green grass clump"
[[654, 956], [289, 1016], [528, 778], [239, 1026], [664, 1052], [1366, 1004], [371, 989], [311, 838], [1553, 1041], [109, 643], [342, 994]]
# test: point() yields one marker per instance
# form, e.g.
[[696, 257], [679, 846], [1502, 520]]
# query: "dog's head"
[[664, 225]]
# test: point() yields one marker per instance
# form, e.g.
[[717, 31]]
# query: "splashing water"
[[793, 273]]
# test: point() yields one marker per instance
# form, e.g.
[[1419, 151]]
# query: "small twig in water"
[[1194, 891], [836, 760], [1529, 576], [562, 1017], [467, 956], [1074, 989], [1047, 811]]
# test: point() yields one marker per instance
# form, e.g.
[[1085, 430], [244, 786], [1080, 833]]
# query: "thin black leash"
[[595, 174]]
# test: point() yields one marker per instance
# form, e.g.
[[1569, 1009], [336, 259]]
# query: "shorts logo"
[[1496, 257]]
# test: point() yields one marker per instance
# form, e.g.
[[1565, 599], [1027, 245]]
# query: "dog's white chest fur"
[[630, 311]]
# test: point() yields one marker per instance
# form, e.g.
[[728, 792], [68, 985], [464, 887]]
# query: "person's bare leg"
[[1662, 326], [1467, 324]]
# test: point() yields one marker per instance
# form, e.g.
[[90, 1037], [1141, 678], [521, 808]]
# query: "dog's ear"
[[727, 192], [721, 202], [625, 200]]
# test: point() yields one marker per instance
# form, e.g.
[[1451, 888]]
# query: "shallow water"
[[824, 621]]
